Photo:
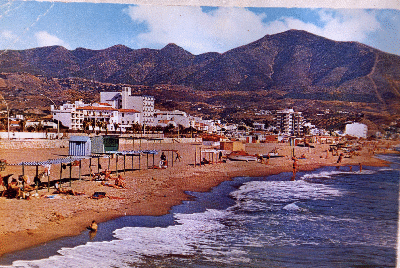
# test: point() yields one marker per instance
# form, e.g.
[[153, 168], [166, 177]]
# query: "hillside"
[[293, 67]]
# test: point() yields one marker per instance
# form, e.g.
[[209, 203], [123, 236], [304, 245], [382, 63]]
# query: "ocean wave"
[[284, 191], [193, 234]]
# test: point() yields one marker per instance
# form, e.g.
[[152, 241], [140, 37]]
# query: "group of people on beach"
[[119, 183], [16, 188]]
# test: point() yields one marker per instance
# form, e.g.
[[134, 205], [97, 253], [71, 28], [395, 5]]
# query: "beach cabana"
[[104, 143], [79, 146]]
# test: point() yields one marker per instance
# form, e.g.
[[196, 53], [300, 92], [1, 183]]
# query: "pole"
[[37, 175], [70, 174], [200, 156], [80, 166], [58, 121], [48, 181], [116, 164], [8, 117], [61, 172], [23, 180]]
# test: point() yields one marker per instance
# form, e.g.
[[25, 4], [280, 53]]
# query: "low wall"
[[164, 140], [64, 143], [32, 143]]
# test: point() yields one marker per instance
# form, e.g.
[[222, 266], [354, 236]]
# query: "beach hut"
[[79, 146], [104, 143], [232, 146]]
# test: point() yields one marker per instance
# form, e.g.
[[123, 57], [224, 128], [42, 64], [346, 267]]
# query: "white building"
[[125, 100], [289, 122], [128, 117], [68, 115], [176, 118], [100, 116], [356, 130]]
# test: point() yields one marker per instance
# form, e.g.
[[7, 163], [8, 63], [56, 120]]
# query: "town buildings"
[[125, 100], [98, 116]]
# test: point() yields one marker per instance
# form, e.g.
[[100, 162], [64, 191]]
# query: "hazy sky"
[[32, 24]]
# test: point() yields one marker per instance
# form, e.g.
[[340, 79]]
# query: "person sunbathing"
[[120, 182], [95, 176], [107, 174], [103, 183]]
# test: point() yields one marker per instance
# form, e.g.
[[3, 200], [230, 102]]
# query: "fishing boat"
[[241, 156], [273, 153]]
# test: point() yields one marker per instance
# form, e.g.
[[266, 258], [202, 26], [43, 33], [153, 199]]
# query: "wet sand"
[[26, 223]]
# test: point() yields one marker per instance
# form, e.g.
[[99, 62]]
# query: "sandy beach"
[[25, 223]]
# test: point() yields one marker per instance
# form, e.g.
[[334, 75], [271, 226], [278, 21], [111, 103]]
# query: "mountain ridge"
[[294, 63]]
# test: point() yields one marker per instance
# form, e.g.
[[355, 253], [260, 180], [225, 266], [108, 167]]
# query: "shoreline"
[[150, 192]]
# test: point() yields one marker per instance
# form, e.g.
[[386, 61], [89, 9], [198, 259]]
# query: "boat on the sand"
[[273, 153], [241, 156]]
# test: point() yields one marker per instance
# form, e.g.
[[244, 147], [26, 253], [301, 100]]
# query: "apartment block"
[[125, 100], [289, 122]]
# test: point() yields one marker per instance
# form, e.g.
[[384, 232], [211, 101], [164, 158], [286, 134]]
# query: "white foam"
[[284, 191], [294, 207], [194, 234]]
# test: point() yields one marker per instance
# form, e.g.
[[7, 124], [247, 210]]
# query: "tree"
[[136, 128], [22, 125], [116, 126], [169, 128]]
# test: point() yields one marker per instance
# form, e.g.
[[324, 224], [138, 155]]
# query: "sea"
[[329, 217]]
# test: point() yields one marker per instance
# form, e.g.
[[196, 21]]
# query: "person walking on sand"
[[178, 156]]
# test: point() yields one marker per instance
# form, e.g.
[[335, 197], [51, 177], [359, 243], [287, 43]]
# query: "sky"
[[30, 24]]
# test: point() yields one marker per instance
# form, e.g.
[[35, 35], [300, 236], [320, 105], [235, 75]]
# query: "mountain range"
[[293, 64]]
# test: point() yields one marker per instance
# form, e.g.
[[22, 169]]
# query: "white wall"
[[27, 135], [356, 130]]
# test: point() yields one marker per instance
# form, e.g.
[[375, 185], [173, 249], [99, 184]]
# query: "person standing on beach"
[[295, 167], [163, 160], [340, 158]]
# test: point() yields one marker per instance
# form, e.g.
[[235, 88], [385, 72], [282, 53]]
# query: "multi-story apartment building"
[[289, 122], [128, 117], [100, 116], [68, 115], [125, 100]]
